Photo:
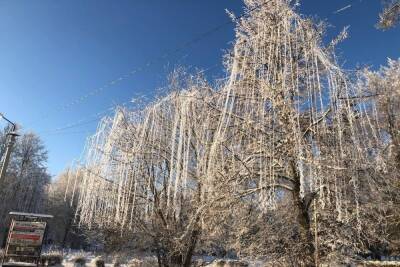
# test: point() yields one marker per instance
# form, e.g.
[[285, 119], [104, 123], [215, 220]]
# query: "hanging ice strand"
[[286, 114], [142, 161]]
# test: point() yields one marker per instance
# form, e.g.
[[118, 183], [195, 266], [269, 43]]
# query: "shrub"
[[146, 262], [79, 261], [98, 262], [51, 258]]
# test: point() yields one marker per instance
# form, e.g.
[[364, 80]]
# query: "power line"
[[71, 126], [99, 115], [84, 121], [342, 9], [151, 62], [87, 132]]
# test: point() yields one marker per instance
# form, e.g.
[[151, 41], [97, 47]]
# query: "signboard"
[[25, 238]]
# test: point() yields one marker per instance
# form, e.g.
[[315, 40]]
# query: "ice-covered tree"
[[390, 16], [385, 85], [292, 123], [61, 202], [144, 171], [288, 123]]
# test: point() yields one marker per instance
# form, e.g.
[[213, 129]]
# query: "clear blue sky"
[[55, 52]]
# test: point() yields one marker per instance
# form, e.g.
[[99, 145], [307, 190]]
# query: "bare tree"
[[24, 187]]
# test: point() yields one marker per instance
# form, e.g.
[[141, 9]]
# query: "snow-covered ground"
[[71, 257], [75, 258]]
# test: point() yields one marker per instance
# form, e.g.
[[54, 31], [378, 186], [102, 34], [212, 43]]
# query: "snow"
[[17, 263], [151, 261], [382, 263]]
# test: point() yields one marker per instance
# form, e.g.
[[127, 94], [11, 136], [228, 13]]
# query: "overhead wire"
[[148, 64], [342, 9], [98, 90], [97, 116], [90, 119]]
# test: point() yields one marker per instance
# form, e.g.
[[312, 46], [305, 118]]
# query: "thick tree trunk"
[[159, 257], [192, 245], [303, 219], [66, 232]]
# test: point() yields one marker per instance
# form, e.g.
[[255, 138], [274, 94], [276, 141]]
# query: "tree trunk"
[[66, 232], [303, 219], [159, 259], [193, 242]]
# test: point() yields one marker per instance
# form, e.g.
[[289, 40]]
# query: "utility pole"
[[10, 143]]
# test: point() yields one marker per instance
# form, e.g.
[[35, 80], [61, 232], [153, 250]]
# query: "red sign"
[[25, 238]]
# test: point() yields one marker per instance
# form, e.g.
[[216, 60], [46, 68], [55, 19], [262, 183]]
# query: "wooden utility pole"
[[10, 143]]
